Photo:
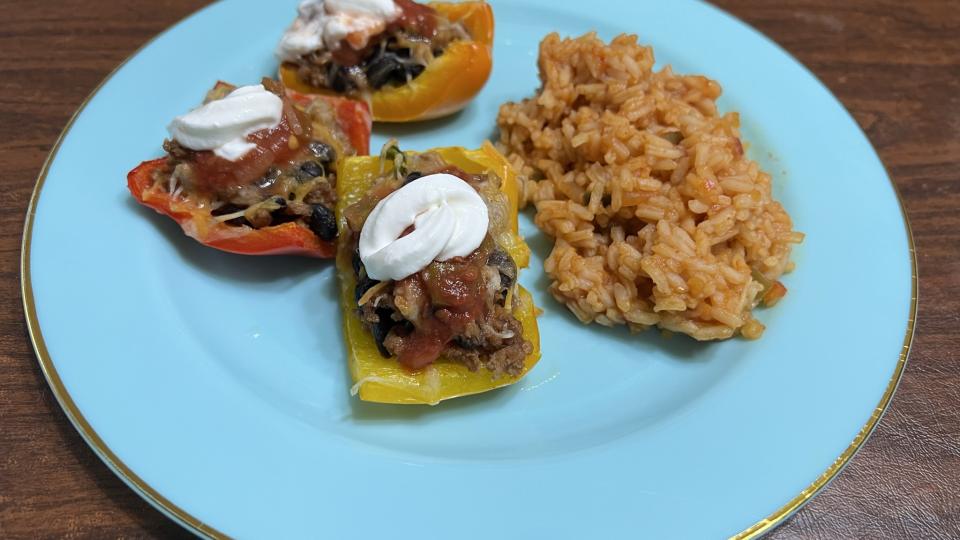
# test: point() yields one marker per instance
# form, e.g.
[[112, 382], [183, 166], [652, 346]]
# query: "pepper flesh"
[[384, 380], [447, 83], [292, 238]]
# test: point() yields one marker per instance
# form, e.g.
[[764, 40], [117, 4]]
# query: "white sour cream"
[[323, 24], [223, 124], [449, 218]]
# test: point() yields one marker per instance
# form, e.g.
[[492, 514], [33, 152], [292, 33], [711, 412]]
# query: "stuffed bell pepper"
[[411, 61], [253, 170], [428, 259]]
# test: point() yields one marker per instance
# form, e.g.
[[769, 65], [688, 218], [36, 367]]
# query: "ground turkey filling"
[[394, 57], [455, 308], [289, 176]]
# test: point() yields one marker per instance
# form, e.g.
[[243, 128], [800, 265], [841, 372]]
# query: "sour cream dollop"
[[323, 24], [449, 218], [223, 124]]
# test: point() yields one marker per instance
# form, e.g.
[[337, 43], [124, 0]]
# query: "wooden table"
[[895, 65]]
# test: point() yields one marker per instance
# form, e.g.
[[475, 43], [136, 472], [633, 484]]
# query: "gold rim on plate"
[[184, 518]]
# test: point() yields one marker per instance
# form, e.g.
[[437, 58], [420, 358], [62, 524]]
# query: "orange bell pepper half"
[[384, 380], [196, 220], [446, 85]]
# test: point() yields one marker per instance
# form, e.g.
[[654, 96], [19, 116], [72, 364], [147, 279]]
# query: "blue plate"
[[215, 385]]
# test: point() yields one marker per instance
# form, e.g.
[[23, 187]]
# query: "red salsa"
[[280, 145], [453, 289]]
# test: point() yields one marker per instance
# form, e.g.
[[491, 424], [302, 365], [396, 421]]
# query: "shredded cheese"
[[371, 292], [355, 389]]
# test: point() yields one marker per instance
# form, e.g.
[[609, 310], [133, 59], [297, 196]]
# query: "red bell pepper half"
[[291, 238]]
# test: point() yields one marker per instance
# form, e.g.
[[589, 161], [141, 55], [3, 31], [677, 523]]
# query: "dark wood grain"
[[895, 65]]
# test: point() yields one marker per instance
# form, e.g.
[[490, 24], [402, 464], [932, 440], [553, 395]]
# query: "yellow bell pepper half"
[[384, 380], [447, 84]]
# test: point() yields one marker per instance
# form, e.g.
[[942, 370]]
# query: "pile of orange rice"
[[659, 218]]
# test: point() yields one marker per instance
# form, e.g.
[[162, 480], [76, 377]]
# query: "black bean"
[[269, 178], [414, 70], [382, 328], [323, 152], [392, 65], [471, 343], [323, 223], [385, 321], [411, 177], [385, 69], [364, 284], [505, 265], [356, 263], [309, 169], [280, 201], [339, 80]]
